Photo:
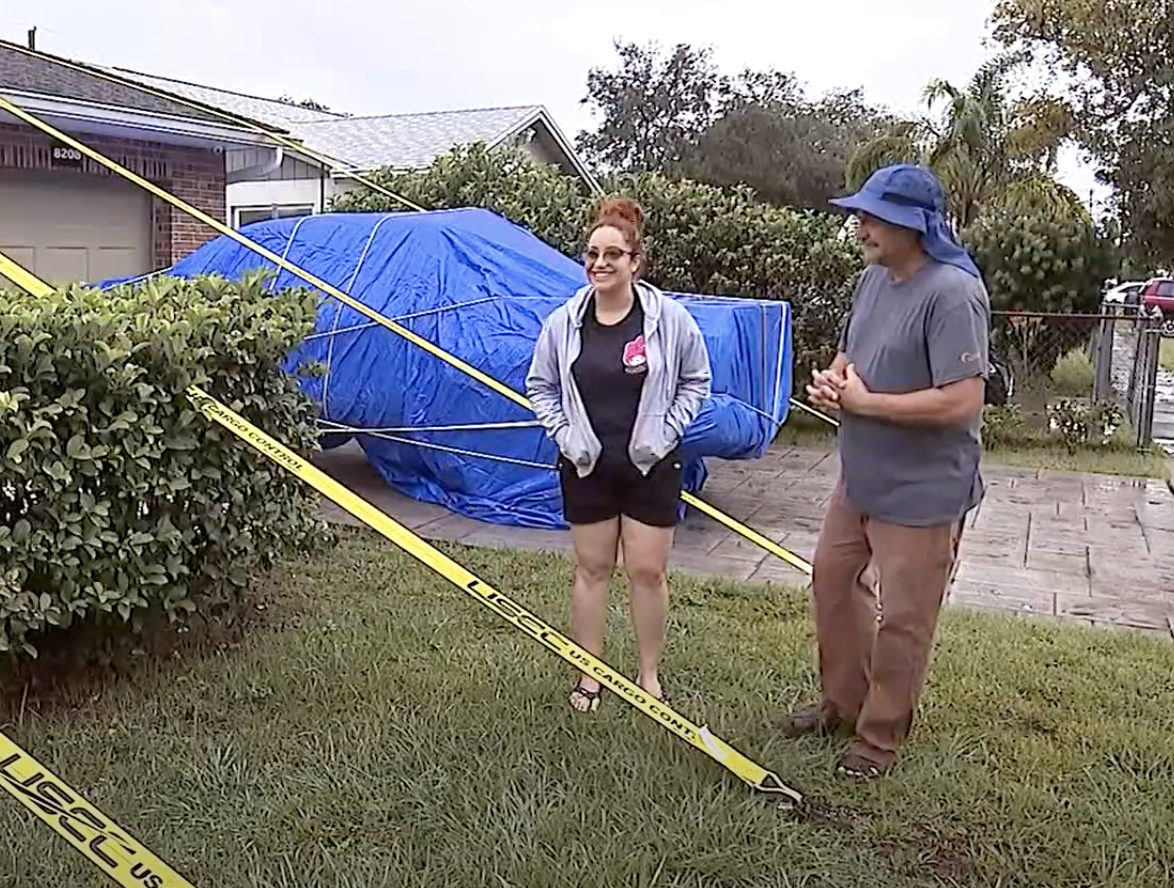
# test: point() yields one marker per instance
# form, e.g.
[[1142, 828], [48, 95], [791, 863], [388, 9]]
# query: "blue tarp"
[[479, 287]]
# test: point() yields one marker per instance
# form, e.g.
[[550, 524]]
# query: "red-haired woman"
[[619, 372]]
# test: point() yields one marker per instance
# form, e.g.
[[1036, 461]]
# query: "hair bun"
[[622, 208]]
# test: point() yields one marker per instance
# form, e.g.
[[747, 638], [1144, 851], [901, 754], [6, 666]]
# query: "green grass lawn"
[[1166, 355], [803, 430], [379, 728], [1106, 461]]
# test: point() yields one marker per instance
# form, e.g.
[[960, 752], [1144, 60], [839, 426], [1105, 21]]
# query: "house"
[[270, 183], [67, 218]]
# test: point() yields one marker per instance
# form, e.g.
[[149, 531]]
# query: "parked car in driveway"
[[1159, 294], [1125, 293]]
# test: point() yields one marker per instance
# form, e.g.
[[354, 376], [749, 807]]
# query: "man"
[[908, 382]]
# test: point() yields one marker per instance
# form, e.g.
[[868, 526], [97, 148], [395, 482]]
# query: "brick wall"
[[194, 175], [198, 178]]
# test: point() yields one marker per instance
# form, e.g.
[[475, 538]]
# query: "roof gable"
[[411, 141]]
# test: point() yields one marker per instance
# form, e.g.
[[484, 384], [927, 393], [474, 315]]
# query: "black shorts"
[[615, 487]]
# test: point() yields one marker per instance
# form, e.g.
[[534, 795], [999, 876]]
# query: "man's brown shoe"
[[812, 721]]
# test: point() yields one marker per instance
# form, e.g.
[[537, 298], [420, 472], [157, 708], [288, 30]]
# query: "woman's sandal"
[[592, 697]]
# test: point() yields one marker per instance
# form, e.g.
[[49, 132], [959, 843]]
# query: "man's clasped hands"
[[833, 389]]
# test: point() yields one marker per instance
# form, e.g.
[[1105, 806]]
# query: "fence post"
[[1104, 354], [1141, 325], [1153, 355]]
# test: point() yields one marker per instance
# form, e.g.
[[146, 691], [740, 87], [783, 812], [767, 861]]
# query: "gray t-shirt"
[[928, 331]]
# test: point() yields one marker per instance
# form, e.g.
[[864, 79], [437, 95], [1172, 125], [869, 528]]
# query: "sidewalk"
[[1096, 549]]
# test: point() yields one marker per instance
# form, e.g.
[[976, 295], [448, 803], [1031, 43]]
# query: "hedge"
[[119, 501], [1044, 264], [701, 238], [723, 241], [1034, 263]]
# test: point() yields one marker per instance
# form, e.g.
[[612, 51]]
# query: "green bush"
[[553, 206], [1004, 425], [701, 239], [119, 502], [1041, 263], [704, 239], [1074, 374], [1050, 265], [1081, 424]]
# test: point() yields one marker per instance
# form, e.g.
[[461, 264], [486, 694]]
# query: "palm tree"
[[972, 146], [1039, 194], [903, 144]]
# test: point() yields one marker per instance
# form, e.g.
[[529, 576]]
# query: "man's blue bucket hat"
[[910, 196]]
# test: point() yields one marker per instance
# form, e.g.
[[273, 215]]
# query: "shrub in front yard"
[[117, 499], [1074, 374], [1074, 423], [1080, 423], [1003, 425], [1040, 262]]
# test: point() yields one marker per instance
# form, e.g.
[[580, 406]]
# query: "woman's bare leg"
[[595, 558], [646, 555]]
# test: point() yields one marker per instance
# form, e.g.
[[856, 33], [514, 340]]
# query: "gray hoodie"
[[674, 392]]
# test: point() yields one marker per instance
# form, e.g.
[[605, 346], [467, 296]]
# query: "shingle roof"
[[263, 110], [411, 141], [38, 72], [403, 141]]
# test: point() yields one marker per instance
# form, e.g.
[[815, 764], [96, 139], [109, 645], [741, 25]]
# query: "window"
[[249, 215]]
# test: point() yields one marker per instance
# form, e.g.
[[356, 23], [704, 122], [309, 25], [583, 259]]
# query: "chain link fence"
[[1129, 349], [1089, 378]]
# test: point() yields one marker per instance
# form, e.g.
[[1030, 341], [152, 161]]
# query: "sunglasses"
[[611, 254]]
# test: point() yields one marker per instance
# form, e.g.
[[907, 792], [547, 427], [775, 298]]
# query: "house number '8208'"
[[66, 154]]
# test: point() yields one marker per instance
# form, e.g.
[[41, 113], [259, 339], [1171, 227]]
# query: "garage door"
[[67, 227]]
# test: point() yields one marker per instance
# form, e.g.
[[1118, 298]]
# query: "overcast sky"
[[383, 56]]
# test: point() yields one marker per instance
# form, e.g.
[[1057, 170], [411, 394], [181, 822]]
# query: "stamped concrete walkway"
[[1096, 549]]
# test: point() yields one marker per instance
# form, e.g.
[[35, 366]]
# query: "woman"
[[619, 372]]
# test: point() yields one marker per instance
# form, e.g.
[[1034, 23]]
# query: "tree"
[[972, 152], [1111, 62], [903, 143], [1041, 126], [680, 116], [985, 148], [653, 111], [791, 153]]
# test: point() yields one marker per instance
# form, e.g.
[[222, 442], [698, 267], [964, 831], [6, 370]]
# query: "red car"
[[1159, 294]]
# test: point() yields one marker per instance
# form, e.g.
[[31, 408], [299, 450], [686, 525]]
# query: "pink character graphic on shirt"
[[635, 360]]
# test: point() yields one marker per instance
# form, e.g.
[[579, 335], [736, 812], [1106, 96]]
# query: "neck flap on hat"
[[941, 245]]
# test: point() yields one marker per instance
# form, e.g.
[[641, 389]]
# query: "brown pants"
[[875, 642]]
